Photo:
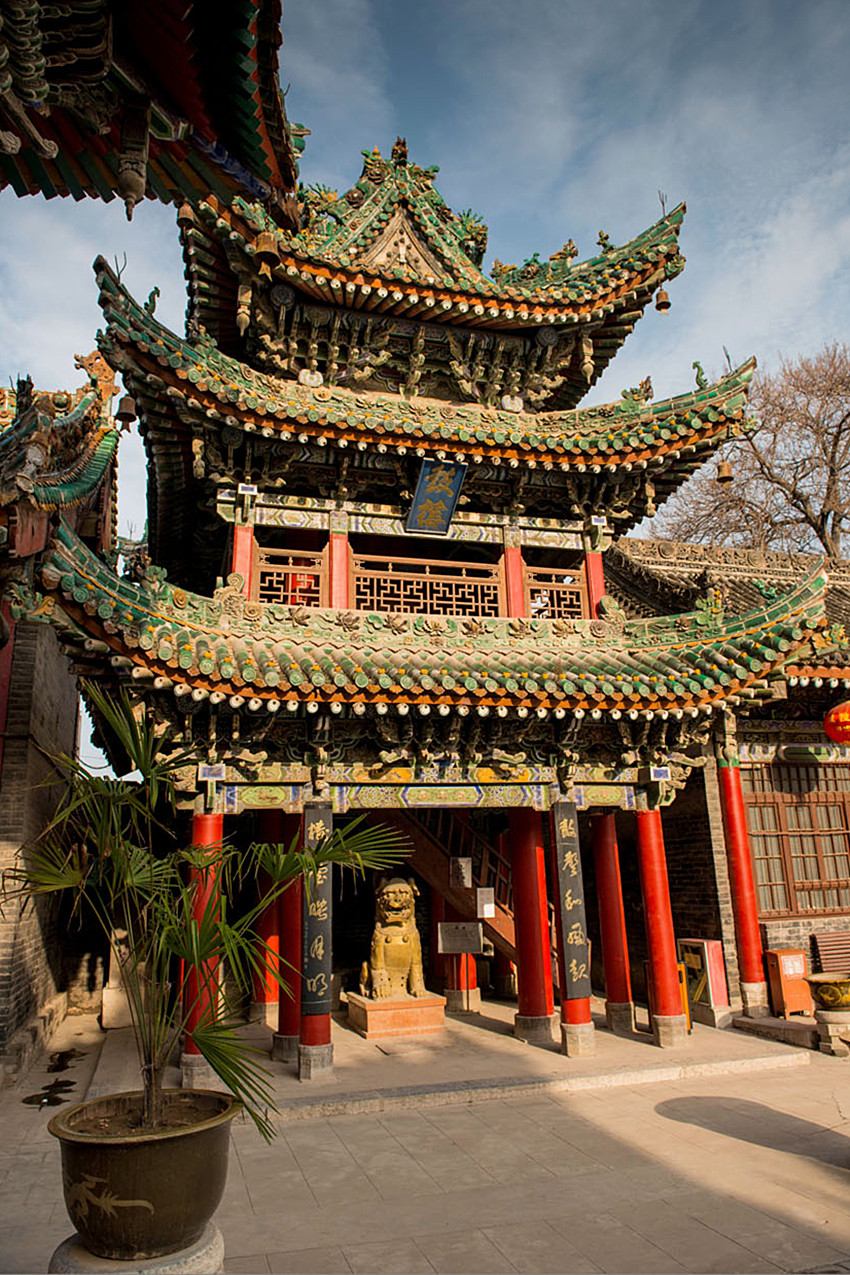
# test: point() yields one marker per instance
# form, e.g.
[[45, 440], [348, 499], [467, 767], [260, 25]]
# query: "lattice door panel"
[[417, 587], [554, 594], [290, 579]]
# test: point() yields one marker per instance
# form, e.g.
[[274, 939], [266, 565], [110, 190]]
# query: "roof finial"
[[399, 155]]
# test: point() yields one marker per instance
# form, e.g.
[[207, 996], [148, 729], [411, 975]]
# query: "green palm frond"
[[111, 845]]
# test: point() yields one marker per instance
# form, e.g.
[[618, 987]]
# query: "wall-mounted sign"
[[575, 956], [485, 902], [458, 938], [436, 496], [460, 874], [837, 723], [316, 929]]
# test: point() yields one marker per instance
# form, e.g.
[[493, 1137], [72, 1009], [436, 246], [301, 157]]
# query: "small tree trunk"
[[152, 1109]]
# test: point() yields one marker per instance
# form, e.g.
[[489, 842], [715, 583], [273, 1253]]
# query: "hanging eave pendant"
[[436, 497]]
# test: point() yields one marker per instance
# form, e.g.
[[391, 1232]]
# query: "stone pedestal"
[[196, 1073], [408, 1016], [465, 1000], [669, 1030], [620, 1017], [755, 1000], [204, 1258], [284, 1048], [833, 1032], [534, 1030], [315, 1061], [578, 1040]]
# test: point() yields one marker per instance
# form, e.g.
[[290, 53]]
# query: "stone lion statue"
[[394, 968]]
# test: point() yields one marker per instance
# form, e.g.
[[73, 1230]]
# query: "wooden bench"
[[832, 952]]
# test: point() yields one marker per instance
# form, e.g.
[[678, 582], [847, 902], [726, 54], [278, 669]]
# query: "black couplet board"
[[316, 930], [576, 954]]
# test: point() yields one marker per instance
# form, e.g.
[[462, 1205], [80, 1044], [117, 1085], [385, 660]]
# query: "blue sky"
[[551, 118]]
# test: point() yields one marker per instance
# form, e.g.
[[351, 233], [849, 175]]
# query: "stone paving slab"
[[719, 1157]]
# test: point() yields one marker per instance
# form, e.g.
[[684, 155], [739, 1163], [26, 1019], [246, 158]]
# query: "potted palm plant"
[[144, 1172]]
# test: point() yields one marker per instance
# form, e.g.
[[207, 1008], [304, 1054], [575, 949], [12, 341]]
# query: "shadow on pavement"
[[762, 1126]]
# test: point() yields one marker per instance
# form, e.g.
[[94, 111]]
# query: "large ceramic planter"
[[830, 991], [142, 1194]]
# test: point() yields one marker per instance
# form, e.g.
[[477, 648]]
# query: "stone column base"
[[755, 1000], [206, 1257], [315, 1061], [284, 1048], [620, 1017], [534, 1029], [669, 1030], [196, 1073], [578, 1040], [463, 1000], [833, 1032]]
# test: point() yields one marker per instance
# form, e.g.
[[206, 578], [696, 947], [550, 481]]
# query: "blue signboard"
[[436, 497]]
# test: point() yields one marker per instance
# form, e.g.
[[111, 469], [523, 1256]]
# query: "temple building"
[[388, 570]]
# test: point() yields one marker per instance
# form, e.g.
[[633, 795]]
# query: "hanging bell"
[[724, 472], [662, 301], [126, 412], [185, 215], [266, 249]]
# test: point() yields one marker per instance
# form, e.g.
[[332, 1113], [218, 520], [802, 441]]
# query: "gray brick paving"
[[743, 1171]]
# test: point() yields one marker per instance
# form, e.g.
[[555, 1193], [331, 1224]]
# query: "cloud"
[[336, 65]]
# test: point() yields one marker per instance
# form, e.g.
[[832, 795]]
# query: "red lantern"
[[837, 723]]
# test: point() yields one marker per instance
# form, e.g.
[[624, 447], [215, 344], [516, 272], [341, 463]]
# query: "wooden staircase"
[[440, 835]]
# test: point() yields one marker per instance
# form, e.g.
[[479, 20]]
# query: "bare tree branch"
[[792, 476]]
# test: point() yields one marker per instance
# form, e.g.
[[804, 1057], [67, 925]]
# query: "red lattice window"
[[290, 579], [554, 594], [419, 587], [799, 825]]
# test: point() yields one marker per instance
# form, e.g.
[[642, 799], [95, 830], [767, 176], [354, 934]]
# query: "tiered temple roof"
[[264, 654], [58, 452], [392, 247], [651, 577], [623, 458], [158, 97]]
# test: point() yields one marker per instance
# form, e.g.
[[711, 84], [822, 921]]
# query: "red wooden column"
[[266, 989], [669, 1025], [514, 574], [744, 900], [338, 569], [578, 1035], [243, 554], [619, 1007], [284, 829], [462, 993], [201, 987], [533, 1021], [315, 1048], [595, 578]]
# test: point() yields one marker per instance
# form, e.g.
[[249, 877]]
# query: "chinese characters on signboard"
[[576, 954], [436, 496], [460, 874], [456, 938], [316, 930]]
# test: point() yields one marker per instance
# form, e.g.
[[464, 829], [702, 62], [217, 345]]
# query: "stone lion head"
[[395, 900]]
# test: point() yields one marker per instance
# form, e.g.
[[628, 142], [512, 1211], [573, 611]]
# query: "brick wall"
[[35, 964], [797, 931]]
